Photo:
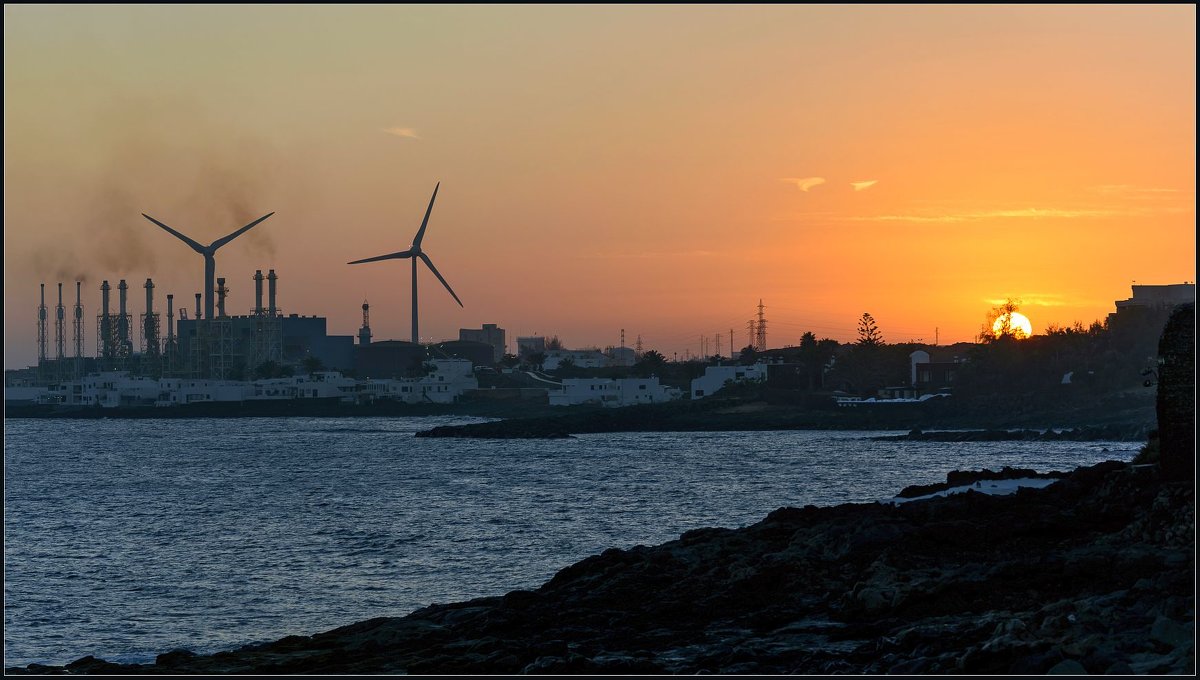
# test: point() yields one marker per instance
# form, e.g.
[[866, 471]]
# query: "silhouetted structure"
[[489, 333], [413, 253], [209, 252], [1176, 405]]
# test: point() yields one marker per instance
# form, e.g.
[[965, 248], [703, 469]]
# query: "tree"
[[510, 360], [652, 362], [553, 343], [999, 323], [268, 369], [748, 355], [808, 341], [868, 332], [536, 359], [313, 364]]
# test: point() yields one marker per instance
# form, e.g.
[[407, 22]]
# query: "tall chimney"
[[149, 327], [58, 328], [258, 279], [78, 321], [222, 291], [170, 317], [106, 348], [123, 320], [42, 328], [271, 279], [197, 305]]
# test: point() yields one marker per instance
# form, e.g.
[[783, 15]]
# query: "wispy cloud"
[[804, 183], [402, 132], [975, 216], [1130, 190], [1033, 300], [650, 254], [859, 186]]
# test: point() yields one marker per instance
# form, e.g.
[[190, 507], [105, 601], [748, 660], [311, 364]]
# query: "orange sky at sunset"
[[605, 167]]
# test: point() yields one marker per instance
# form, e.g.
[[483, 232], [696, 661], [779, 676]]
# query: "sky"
[[657, 169]]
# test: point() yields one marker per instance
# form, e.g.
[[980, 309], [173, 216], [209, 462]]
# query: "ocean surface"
[[128, 538]]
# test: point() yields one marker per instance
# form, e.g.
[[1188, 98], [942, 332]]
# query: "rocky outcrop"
[[1176, 405], [1126, 433], [1091, 574], [961, 478]]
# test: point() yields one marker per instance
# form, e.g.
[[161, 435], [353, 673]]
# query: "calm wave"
[[128, 538]]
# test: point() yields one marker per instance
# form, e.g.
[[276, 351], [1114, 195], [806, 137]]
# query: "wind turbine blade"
[[195, 246], [404, 254], [433, 269], [424, 222], [222, 241]]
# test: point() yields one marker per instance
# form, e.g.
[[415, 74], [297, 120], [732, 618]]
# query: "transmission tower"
[[760, 330]]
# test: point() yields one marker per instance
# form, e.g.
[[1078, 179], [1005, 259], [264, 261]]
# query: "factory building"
[[491, 334], [300, 337], [389, 359], [478, 353]]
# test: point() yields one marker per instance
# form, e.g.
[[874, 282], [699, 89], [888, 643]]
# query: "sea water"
[[124, 539]]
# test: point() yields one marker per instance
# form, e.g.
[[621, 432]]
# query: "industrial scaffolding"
[[266, 341]]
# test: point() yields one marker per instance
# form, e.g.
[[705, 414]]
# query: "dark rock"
[[1176, 405], [1067, 667], [175, 658]]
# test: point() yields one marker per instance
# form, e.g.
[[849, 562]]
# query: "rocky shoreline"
[[1080, 434], [1126, 419], [1093, 573]]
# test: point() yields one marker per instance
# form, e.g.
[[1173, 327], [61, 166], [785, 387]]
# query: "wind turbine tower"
[[413, 253]]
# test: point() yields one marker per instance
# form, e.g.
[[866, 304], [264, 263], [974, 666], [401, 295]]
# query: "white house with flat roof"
[[716, 377], [612, 392]]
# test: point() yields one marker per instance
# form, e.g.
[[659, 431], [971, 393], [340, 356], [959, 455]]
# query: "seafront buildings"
[[445, 383]]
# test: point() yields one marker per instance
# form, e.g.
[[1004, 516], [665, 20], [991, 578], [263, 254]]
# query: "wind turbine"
[[413, 254], [209, 251]]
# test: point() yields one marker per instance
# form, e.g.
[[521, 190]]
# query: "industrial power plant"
[[213, 344], [216, 355]]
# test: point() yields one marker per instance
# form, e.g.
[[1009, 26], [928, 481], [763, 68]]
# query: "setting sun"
[[1017, 323]]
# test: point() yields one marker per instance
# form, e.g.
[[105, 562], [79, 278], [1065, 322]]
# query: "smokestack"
[[271, 279], [197, 305], [42, 327], [170, 317], [105, 348], [222, 291], [258, 279], [78, 323], [149, 325], [123, 318], [58, 327]]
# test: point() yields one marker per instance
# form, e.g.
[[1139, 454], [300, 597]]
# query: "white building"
[[622, 356], [716, 377], [446, 382], [581, 358], [614, 393]]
